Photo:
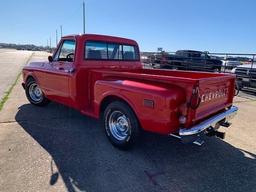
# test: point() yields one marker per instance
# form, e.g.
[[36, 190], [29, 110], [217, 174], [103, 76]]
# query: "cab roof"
[[105, 38]]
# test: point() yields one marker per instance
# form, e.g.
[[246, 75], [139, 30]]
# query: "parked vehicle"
[[188, 60], [231, 62], [102, 76], [246, 76]]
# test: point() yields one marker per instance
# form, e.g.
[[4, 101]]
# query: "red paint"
[[93, 81]]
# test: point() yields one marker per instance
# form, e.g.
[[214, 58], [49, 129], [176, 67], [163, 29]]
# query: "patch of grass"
[[7, 93]]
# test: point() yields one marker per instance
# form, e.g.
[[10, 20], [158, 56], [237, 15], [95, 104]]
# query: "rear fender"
[[156, 107]]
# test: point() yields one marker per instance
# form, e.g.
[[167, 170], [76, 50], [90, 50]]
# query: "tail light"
[[195, 99]]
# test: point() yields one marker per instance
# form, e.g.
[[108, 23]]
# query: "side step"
[[225, 124], [198, 142], [216, 133], [197, 139]]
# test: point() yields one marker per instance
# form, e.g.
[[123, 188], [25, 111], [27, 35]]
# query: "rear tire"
[[121, 125], [34, 94]]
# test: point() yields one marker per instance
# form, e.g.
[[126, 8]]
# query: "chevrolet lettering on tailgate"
[[214, 94]]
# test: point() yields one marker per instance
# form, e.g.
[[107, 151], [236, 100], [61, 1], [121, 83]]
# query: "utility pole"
[[61, 31], [56, 37], [47, 44], [50, 42], [83, 17]]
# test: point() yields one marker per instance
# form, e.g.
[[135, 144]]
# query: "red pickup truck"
[[102, 76]]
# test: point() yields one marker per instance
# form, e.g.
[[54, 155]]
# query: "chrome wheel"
[[119, 125], [35, 93]]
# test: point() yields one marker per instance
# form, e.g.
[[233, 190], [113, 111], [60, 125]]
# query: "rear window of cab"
[[97, 50]]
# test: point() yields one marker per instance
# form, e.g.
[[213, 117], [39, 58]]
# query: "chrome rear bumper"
[[192, 134]]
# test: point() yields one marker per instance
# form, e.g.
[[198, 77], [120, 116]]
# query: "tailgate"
[[216, 94]]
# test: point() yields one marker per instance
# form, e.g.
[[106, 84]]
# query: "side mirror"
[[50, 59]]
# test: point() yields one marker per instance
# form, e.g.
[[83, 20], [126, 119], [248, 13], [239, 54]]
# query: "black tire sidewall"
[[132, 120], [43, 102]]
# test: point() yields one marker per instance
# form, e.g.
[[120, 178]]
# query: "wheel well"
[[30, 77], [109, 99]]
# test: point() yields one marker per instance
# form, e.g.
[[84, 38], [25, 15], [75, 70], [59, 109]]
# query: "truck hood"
[[35, 64], [215, 61]]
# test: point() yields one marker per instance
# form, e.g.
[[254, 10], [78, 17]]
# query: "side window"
[[115, 51], [96, 50], [129, 53], [66, 52]]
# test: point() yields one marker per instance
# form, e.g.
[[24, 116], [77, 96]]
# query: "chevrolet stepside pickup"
[[102, 77]]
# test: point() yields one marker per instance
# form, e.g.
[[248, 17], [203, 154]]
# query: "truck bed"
[[216, 90], [186, 76]]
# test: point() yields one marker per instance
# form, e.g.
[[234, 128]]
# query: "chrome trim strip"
[[211, 122]]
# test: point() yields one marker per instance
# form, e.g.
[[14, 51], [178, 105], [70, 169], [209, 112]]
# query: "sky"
[[215, 26]]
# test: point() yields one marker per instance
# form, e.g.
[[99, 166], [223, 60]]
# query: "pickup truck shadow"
[[88, 162]]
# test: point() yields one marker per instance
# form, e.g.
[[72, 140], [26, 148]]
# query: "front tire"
[[121, 125], [34, 94]]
